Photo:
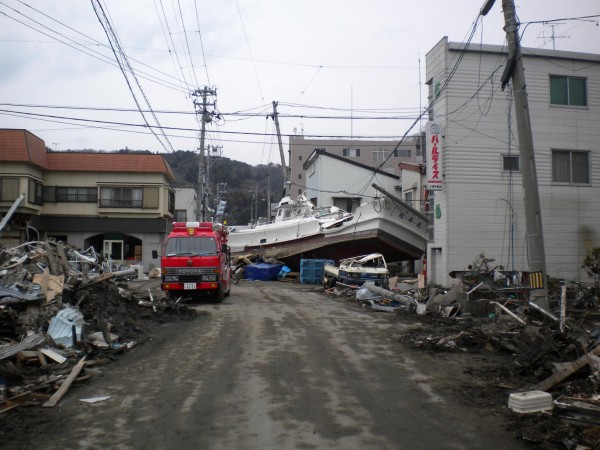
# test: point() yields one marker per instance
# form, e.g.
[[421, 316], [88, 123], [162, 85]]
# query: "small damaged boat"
[[356, 271]]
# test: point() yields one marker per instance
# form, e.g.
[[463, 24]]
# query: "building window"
[[380, 155], [299, 176], [121, 197], [408, 197], [402, 153], [299, 191], [9, 189], [172, 202], [76, 194], [35, 192], [568, 91], [351, 152], [571, 167], [180, 215], [299, 157], [510, 163]]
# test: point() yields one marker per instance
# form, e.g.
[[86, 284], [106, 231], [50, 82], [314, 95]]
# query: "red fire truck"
[[196, 261]]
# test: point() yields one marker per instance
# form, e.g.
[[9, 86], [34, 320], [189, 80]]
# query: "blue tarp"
[[262, 271]]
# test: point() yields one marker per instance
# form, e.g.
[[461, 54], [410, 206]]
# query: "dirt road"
[[276, 366]]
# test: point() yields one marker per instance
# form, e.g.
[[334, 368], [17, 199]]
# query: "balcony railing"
[[118, 203]]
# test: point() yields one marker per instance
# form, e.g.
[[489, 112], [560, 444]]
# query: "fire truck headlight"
[[171, 278], [209, 277]]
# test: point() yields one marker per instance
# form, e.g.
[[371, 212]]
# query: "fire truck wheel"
[[219, 294]]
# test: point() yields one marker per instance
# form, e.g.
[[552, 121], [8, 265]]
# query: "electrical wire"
[[70, 42], [250, 50]]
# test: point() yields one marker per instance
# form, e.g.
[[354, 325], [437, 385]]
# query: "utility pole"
[[205, 117], [269, 192], [286, 175], [533, 213]]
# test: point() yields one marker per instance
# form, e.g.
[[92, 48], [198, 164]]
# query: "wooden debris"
[[53, 355], [566, 370], [29, 342], [58, 395]]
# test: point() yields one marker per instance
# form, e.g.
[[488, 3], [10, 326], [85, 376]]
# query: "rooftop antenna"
[[553, 37]]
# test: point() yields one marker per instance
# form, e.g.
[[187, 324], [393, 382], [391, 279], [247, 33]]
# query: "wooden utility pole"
[[286, 176], [533, 213]]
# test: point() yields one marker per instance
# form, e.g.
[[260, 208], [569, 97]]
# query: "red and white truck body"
[[196, 260]]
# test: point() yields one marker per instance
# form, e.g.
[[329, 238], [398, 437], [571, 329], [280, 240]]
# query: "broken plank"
[[53, 355], [42, 358], [58, 395], [567, 370]]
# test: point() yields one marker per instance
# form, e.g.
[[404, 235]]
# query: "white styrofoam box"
[[529, 402]]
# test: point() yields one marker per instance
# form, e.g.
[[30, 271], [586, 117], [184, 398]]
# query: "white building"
[[334, 180], [186, 204], [384, 155], [480, 207]]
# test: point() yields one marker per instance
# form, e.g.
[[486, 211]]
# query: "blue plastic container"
[[262, 271], [311, 270]]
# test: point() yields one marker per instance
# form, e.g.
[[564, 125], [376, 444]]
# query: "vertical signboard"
[[434, 156]]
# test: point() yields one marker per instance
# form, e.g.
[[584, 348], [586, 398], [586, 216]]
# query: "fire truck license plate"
[[189, 285]]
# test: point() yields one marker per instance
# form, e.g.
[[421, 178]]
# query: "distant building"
[[383, 155], [343, 182], [119, 203], [479, 207], [186, 204]]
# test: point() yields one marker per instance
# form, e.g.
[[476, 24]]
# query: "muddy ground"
[[282, 365]]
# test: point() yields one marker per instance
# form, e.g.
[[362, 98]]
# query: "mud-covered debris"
[[60, 305]]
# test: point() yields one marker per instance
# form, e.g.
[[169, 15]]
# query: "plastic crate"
[[318, 263], [311, 275]]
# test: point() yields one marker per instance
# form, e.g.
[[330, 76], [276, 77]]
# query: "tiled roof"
[[21, 145], [108, 162]]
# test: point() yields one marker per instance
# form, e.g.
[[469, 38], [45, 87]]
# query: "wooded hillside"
[[243, 180]]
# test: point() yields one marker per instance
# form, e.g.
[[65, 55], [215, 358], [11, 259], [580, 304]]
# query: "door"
[[113, 250]]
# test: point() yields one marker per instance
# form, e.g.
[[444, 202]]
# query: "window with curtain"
[[570, 167], [76, 194], [121, 197]]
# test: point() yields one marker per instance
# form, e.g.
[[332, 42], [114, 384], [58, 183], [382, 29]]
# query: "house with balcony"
[[121, 204], [476, 205]]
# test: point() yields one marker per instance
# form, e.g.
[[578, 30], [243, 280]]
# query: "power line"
[[163, 128], [250, 50], [232, 114], [90, 52], [109, 31]]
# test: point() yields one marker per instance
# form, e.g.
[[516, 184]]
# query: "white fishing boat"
[[294, 220], [385, 225]]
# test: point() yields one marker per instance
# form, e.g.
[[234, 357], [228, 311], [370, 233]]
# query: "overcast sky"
[[318, 59]]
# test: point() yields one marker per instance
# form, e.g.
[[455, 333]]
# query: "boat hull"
[[377, 227]]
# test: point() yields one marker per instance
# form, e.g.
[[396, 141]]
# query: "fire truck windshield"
[[190, 246]]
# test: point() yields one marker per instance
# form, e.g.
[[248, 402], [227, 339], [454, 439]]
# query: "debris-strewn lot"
[[546, 366], [65, 312]]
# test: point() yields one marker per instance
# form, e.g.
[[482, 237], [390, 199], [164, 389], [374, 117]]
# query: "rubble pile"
[[63, 312], [530, 349]]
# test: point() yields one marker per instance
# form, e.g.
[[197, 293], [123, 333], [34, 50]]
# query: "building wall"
[[329, 178], [300, 149], [186, 199], [481, 206]]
